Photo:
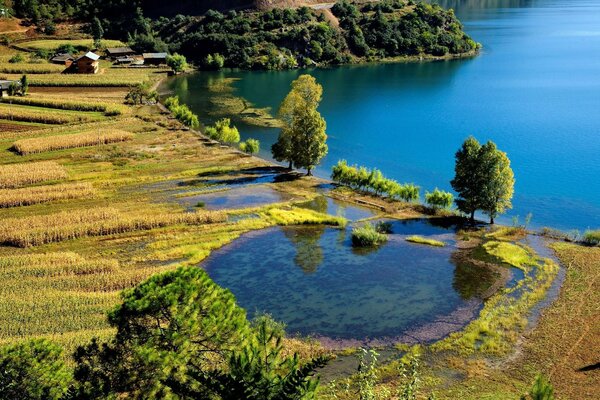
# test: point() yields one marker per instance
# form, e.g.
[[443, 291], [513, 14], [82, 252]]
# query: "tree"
[[498, 181], [223, 131], [250, 146], [467, 180], [97, 32], [302, 141], [24, 85], [438, 199], [214, 61], [140, 93], [177, 63], [33, 370], [171, 330]]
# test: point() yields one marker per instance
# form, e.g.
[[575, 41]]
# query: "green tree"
[[33, 370], [223, 131], [97, 31], [438, 199], [177, 63], [171, 331], [250, 146], [302, 141], [24, 85], [140, 93], [467, 178], [498, 181]]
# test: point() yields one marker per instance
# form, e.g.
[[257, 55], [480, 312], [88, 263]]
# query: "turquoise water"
[[534, 90], [313, 280]]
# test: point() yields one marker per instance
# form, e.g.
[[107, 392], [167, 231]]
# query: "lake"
[[534, 90]]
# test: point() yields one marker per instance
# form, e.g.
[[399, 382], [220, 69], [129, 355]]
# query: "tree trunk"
[[308, 172], [290, 166], [472, 216], [492, 220]]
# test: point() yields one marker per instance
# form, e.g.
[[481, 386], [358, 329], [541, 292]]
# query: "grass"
[[52, 44], [591, 238], [422, 240], [18, 175], [60, 142], [367, 235], [41, 229], [300, 216], [43, 194], [509, 253]]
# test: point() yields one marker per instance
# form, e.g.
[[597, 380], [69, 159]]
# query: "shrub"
[[438, 199], [367, 235], [223, 131], [177, 62], [182, 113], [592, 237], [17, 58], [250, 146]]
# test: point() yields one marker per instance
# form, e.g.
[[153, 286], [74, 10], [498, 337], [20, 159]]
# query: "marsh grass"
[[422, 240], [18, 175], [41, 229], [591, 238], [367, 235], [42, 194], [61, 142]]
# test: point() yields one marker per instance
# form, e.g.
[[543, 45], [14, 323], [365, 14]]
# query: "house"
[[124, 60], [87, 63], [5, 86], [65, 59], [116, 52], [155, 58]]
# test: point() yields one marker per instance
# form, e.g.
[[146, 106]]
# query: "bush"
[[17, 58], [214, 61], [223, 131], [177, 63], [250, 146], [592, 237], [367, 235], [438, 199], [182, 112]]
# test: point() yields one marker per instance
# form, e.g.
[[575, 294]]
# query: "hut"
[[87, 63], [155, 58], [5, 86], [65, 59], [116, 52]]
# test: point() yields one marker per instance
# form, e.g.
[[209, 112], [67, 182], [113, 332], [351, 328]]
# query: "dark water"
[[314, 281], [535, 91]]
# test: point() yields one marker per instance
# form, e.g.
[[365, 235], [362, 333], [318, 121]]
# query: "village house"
[[114, 53], [65, 59], [155, 58], [5, 86], [87, 64]]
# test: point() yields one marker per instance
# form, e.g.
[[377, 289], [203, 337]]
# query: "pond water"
[[534, 90], [313, 280]]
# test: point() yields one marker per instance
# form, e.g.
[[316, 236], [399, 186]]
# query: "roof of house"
[[5, 84], [118, 50], [154, 55], [90, 55], [125, 59], [62, 57]]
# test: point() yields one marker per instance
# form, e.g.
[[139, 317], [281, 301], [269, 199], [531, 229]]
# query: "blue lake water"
[[319, 285], [534, 90]]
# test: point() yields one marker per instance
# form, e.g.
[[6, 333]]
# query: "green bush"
[[250, 146], [438, 199], [223, 131], [17, 58], [367, 235], [592, 237]]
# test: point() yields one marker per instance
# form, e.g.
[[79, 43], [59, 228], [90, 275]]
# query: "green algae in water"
[[311, 279]]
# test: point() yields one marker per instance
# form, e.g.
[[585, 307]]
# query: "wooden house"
[[5, 86], [87, 64], [65, 59], [117, 52], [155, 58]]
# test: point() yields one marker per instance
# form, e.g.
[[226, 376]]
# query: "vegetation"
[[61, 104], [422, 240], [223, 132], [483, 179], [18, 175], [84, 139], [33, 370], [182, 113], [177, 63], [32, 114], [250, 146], [439, 200], [141, 93], [40, 229], [592, 237], [541, 390], [302, 141], [42, 194], [367, 235], [360, 178]]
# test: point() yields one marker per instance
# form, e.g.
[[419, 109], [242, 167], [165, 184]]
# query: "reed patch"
[[61, 142]]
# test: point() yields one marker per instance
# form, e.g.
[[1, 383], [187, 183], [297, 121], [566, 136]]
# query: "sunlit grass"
[[426, 241]]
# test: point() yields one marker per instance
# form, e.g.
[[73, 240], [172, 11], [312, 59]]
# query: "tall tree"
[[97, 31], [498, 181], [467, 180], [302, 141]]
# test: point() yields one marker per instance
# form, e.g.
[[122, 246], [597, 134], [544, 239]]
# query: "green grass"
[[592, 237], [367, 235], [421, 240], [509, 253]]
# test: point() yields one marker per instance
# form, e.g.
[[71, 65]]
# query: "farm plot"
[[72, 105], [15, 112], [61, 142], [43, 194], [18, 175]]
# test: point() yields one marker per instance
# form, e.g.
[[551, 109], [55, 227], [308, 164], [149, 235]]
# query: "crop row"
[[43, 116], [43, 68], [83, 105], [60, 142], [42, 229], [42, 194], [73, 128], [17, 175]]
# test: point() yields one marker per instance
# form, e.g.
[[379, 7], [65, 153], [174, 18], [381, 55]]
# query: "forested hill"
[[272, 37]]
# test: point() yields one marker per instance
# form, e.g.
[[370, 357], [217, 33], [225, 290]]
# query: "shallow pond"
[[240, 197], [314, 281]]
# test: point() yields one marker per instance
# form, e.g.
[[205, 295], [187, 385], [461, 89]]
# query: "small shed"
[[63, 59], [5, 85], [155, 58], [116, 52], [87, 63]]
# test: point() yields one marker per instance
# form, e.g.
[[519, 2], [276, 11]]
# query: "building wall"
[[87, 66]]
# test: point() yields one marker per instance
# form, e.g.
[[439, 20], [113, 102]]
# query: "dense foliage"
[[250, 146], [223, 131], [439, 199], [373, 180], [182, 112], [483, 179]]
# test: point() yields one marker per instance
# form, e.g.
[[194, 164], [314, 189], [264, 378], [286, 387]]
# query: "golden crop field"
[[41, 229], [17, 112], [73, 105], [41, 194], [61, 142], [66, 129], [28, 68], [17, 175], [55, 43]]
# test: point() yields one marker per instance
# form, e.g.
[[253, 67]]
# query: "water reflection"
[[309, 254]]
